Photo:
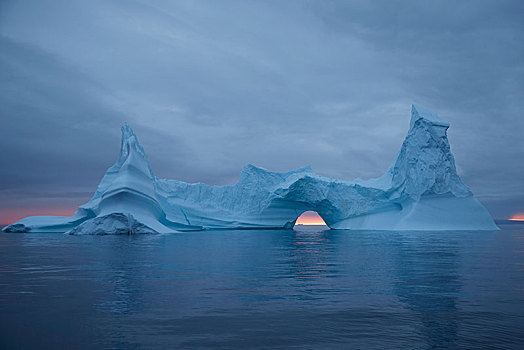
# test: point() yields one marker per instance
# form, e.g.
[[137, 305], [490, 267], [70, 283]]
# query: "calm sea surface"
[[314, 288]]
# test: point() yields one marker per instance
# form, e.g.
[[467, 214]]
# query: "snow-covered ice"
[[420, 191], [111, 224]]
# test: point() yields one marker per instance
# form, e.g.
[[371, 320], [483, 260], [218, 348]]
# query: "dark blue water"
[[264, 289]]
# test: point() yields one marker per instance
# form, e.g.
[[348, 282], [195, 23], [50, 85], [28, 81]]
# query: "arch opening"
[[309, 218]]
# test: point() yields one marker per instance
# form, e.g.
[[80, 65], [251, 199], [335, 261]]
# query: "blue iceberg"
[[420, 191]]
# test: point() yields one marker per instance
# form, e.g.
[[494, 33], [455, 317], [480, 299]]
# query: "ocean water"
[[307, 289]]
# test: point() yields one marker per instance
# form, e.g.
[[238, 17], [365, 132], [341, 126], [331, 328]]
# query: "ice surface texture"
[[420, 191]]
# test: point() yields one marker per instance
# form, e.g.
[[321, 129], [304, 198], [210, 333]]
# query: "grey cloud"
[[211, 86]]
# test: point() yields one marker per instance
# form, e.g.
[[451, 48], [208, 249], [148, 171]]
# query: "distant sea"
[[310, 288]]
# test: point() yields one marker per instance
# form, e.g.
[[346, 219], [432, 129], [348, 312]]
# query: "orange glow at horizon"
[[310, 218], [517, 217]]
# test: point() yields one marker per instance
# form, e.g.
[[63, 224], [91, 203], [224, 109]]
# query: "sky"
[[210, 86], [310, 218]]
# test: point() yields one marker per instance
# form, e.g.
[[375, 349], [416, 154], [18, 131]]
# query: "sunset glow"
[[517, 217], [10, 215], [310, 218]]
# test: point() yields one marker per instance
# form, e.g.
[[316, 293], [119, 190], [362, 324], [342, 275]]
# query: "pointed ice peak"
[[131, 170], [129, 143], [127, 132], [425, 164], [418, 112], [131, 153]]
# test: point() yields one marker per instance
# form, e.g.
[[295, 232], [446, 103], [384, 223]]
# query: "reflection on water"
[[428, 282], [311, 254], [311, 288]]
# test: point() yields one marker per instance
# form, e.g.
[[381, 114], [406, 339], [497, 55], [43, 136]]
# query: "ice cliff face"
[[421, 191], [425, 164]]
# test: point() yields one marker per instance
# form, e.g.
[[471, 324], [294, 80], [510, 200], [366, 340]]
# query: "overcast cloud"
[[210, 86]]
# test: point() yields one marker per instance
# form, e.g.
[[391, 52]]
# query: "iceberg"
[[420, 191]]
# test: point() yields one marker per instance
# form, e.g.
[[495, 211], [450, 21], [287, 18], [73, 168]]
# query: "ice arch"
[[420, 191]]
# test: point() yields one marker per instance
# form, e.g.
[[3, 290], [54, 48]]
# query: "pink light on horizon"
[[310, 218], [11, 215], [517, 217]]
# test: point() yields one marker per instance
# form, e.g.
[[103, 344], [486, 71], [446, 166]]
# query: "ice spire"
[[425, 164], [132, 167], [132, 153], [418, 112]]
